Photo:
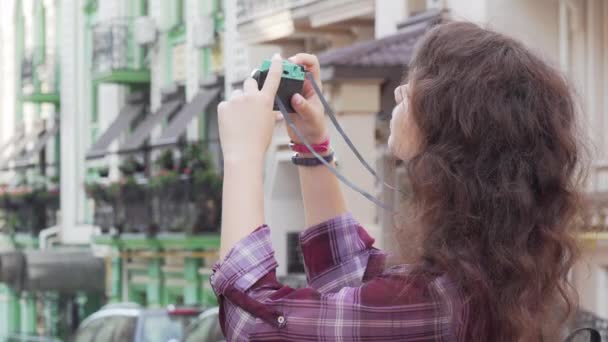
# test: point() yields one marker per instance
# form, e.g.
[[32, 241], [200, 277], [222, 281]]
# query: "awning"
[[52, 270], [136, 139], [12, 264], [64, 271], [179, 123], [38, 146], [129, 112], [385, 57], [20, 145], [12, 141]]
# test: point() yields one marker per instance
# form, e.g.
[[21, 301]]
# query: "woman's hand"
[[246, 121], [310, 117]]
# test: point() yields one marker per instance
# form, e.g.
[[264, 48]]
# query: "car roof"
[[103, 313], [209, 312], [128, 310], [122, 305]]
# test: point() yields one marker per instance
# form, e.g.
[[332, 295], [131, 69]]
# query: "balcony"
[[116, 56], [39, 78], [181, 198], [28, 211], [295, 20]]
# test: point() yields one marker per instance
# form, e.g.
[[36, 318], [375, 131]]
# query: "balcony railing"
[[114, 49], [29, 211], [39, 76], [175, 204], [252, 9], [184, 196]]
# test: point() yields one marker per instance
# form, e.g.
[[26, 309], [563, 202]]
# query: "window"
[[295, 260], [207, 329], [106, 333], [88, 332]]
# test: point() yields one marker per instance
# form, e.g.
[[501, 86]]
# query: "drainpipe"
[[47, 233]]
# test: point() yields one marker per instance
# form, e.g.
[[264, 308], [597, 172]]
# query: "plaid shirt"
[[350, 296]]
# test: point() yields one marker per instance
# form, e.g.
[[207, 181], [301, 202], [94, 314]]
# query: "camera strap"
[[329, 111], [594, 335]]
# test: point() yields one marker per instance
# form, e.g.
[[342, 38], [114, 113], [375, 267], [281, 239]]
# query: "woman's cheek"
[[395, 130]]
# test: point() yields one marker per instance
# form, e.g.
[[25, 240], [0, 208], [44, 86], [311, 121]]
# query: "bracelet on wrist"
[[299, 160], [301, 148]]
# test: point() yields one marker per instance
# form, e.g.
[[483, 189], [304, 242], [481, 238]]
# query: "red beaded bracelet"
[[301, 148]]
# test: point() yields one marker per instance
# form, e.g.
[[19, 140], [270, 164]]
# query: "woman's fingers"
[[236, 94], [310, 62], [302, 106], [273, 79], [250, 86]]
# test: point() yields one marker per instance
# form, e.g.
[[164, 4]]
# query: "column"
[[192, 291], [154, 290], [28, 313], [116, 276]]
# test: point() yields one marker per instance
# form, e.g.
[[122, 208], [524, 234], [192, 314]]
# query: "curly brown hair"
[[494, 183]]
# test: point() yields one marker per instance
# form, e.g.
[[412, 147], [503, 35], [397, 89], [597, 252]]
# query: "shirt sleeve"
[[339, 253], [254, 306]]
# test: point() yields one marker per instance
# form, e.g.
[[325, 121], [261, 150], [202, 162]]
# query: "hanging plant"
[[103, 171], [166, 161], [130, 167], [163, 179]]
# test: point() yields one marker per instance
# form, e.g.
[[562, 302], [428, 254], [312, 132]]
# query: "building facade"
[[109, 107]]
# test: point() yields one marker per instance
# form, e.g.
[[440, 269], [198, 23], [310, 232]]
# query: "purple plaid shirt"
[[350, 295]]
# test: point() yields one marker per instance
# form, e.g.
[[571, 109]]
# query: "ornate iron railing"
[[113, 47], [38, 72], [29, 211]]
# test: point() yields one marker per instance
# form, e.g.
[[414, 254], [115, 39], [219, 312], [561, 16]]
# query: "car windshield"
[[207, 329], [162, 327]]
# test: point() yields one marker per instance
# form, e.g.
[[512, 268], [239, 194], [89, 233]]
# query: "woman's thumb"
[[299, 103]]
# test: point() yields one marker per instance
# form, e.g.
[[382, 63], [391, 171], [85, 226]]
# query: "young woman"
[[487, 130]]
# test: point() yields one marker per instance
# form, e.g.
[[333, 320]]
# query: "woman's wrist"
[[240, 160], [310, 155], [312, 139]]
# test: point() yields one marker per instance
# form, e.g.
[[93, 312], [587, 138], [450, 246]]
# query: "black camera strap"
[[329, 111]]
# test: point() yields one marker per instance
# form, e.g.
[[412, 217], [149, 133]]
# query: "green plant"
[[166, 161], [207, 181], [95, 190], [130, 166], [103, 171], [163, 179], [195, 157]]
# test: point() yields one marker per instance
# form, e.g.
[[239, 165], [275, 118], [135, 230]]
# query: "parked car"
[[133, 323], [206, 328]]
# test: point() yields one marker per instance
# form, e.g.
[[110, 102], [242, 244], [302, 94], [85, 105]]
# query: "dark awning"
[[38, 146], [136, 139], [52, 270], [179, 123], [12, 264], [118, 126], [12, 141], [20, 146]]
